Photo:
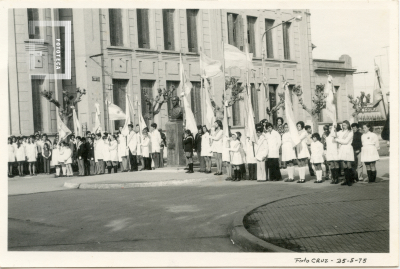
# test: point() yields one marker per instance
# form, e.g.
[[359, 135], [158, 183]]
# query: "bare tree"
[[359, 104], [65, 110], [155, 104]]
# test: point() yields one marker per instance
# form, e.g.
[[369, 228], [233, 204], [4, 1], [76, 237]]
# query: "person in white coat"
[[302, 152], [106, 153], [332, 154], [123, 152], [132, 146], [288, 153], [226, 156], [145, 147], [113, 149], [274, 143], [11, 157], [236, 156], [98, 154], [249, 149], [206, 151], [369, 151], [317, 156], [55, 158], [156, 141], [20, 156], [31, 155], [261, 152], [346, 153], [217, 145]]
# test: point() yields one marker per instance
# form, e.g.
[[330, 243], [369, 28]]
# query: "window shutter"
[[251, 34], [143, 28], [239, 33], [33, 15], [116, 33], [191, 15], [268, 38], [286, 47], [231, 40], [171, 41]]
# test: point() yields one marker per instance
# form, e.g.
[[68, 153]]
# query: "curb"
[[129, 185], [248, 242]]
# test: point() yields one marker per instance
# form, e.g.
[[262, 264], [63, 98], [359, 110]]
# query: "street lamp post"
[[297, 18]]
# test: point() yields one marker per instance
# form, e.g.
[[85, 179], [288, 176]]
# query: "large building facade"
[[137, 51]]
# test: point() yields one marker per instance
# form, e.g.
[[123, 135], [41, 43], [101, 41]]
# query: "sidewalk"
[[345, 219]]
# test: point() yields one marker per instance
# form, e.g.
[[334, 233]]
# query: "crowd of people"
[[339, 150], [90, 155]]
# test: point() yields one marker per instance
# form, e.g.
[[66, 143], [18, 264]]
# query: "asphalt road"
[[194, 217]]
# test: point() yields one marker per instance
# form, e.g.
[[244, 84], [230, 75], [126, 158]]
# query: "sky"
[[361, 34]]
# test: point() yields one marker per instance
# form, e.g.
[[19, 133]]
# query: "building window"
[[286, 39], [236, 115], [195, 101], [235, 30], [116, 31], [143, 28], [268, 38], [171, 84], [119, 98], [254, 101], [251, 34], [33, 15], [146, 87], [168, 25], [191, 16], [37, 87], [272, 100]]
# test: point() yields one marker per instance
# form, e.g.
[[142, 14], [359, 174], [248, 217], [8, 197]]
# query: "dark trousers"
[[243, 170], [133, 161], [46, 165], [273, 169], [156, 158], [87, 168], [81, 166], [39, 163], [310, 169], [252, 171], [92, 165], [147, 163]]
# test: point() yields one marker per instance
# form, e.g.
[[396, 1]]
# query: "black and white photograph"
[[162, 134]]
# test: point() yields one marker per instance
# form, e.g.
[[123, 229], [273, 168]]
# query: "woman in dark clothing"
[[188, 148], [90, 156], [197, 148]]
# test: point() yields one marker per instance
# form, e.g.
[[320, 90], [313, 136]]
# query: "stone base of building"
[[175, 154]]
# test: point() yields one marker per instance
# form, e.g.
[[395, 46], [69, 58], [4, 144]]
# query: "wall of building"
[[96, 65]]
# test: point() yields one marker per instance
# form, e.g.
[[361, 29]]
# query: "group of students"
[[91, 154], [340, 149]]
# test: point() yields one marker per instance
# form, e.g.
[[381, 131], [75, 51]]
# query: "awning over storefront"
[[370, 113]]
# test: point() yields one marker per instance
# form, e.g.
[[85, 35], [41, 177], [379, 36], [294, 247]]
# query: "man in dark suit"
[[81, 154], [357, 167], [197, 148], [90, 170]]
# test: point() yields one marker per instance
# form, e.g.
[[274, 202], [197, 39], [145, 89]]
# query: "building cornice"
[[333, 69], [328, 61]]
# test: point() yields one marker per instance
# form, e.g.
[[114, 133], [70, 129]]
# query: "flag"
[[190, 121], [235, 58], [378, 94], [251, 126], [330, 104], [210, 68], [209, 116], [185, 84], [125, 130], [142, 123], [97, 124], [62, 129], [249, 60], [115, 112], [290, 116], [225, 120], [77, 124]]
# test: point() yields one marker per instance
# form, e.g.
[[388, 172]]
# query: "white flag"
[[142, 123], [209, 119], [77, 124], [125, 130], [290, 116], [330, 100], [185, 84], [190, 123], [210, 68], [236, 58], [251, 126], [63, 130], [115, 112], [97, 124]]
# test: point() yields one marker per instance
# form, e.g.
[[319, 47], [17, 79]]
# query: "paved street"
[[191, 217]]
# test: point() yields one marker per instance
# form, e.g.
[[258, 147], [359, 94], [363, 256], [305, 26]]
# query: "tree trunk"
[[315, 124]]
